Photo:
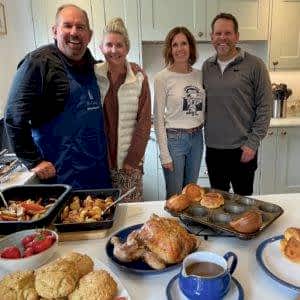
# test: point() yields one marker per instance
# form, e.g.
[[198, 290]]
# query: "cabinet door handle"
[[270, 133], [283, 132], [200, 34]]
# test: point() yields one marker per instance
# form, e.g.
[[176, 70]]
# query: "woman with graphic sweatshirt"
[[179, 104]]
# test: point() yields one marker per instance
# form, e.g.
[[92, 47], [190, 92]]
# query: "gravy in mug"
[[204, 268]]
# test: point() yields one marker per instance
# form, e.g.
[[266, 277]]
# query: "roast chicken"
[[159, 242]]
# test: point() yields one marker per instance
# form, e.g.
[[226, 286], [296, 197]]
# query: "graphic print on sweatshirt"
[[192, 100]]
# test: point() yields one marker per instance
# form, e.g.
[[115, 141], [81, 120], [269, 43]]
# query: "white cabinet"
[[285, 34], [280, 161], [150, 177], [252, 16], [158, 17], [99, 12]]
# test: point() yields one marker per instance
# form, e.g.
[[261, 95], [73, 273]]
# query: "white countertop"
[[285, 122], [256, 284]]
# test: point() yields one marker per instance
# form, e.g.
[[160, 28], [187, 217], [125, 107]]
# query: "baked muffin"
[[18, 286], [56, 279], [212, 200], [194, 191], [178, 202], [290, 245], [83, 262], [94, 286]]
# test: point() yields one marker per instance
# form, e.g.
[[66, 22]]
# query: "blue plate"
[[270, 248], [138, 266], [173, 291]]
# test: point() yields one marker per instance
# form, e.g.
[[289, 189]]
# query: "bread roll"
[[290, 245], [212, 200], [178, 202], [95, 285], [194, 191], [18, 286]]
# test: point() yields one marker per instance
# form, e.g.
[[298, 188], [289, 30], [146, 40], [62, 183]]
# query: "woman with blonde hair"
[[179, 103], [126, 104]]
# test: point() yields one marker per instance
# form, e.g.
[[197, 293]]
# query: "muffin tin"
[[234, 206]]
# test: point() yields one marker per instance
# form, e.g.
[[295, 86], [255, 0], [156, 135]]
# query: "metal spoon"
[[118, 200], [3, 199]]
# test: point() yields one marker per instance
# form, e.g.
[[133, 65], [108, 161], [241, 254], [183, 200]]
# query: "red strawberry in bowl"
[[41, 243], [10, 252]]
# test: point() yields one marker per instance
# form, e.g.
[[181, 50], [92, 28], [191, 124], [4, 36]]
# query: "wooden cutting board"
[[82, 235]]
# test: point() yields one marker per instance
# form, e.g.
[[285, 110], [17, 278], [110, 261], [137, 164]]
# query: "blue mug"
[[213, 287]]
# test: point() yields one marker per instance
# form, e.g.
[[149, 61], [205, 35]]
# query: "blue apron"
[[74, 141]]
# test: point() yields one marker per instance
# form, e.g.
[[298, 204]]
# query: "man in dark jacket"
[[54, 117]]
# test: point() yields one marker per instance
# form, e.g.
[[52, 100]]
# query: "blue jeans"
[[186, 151]]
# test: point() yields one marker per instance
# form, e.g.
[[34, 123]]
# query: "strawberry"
[[11, 252], [28, 252], [41, 243], [27, 239]]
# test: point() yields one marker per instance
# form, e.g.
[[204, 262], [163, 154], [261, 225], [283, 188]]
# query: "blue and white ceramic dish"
[[138, 266], [278, 267], [173, 291]]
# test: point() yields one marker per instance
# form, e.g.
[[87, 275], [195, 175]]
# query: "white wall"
[[15, 44]]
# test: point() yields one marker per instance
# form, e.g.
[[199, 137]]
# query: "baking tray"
[[107, 222], [234, 206], [34, 192]]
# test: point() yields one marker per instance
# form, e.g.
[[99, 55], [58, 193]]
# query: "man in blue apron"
[[54, 116]]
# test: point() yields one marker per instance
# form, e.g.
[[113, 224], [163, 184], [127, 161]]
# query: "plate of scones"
[[279, 257], [73, 276]]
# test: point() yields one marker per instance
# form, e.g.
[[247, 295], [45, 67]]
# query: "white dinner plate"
[[276, 265], [173, 291], [98, 265]]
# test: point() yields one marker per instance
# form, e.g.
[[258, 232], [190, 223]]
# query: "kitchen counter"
[[256, 284], [285, 122]]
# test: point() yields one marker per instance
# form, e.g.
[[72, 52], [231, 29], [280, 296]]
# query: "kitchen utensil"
[[50, 193], [3, 199], [104, 223], [280, 94], [118, 200], [233, 208]]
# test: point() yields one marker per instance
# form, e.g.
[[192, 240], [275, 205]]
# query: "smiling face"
[[224, 39], [114, 48], [180, 48], [72, 33]]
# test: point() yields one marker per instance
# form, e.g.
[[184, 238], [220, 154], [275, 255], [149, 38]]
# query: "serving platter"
[[276, 265], [139, 266], [98, 265]]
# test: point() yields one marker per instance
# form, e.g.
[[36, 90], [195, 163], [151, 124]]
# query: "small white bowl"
[[26, 263]]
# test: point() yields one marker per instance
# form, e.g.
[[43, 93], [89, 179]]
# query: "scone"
[[194, 191], [83, 262], [18, 286], [178, 202], [212, 200], [94, 286], [248, 222], [56, 279], [290, 245]]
